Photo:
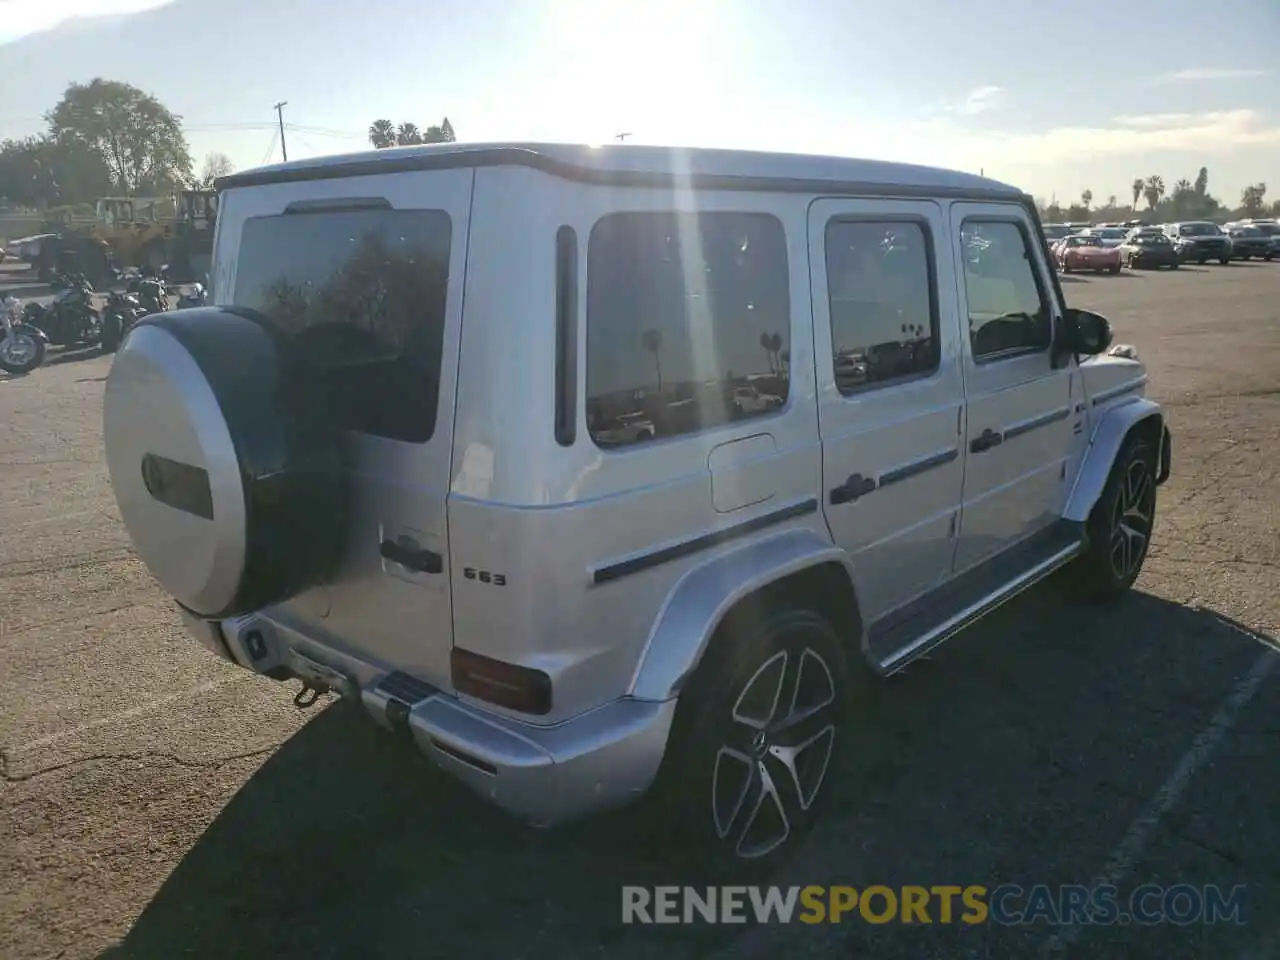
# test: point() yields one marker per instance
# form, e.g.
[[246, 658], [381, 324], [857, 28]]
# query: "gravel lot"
[[157, 803]]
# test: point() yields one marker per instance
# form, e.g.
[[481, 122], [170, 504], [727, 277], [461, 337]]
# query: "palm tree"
[[1111, 202], [1086, 198], [1136, 187], [1153, 190], [652, 340], [775, 344], [382, 133], [766, 344], [785, 357], [407, 134]]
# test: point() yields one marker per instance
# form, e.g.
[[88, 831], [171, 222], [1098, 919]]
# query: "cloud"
[[980, 100], [1196, 74], [23, 17], [1213, 133]]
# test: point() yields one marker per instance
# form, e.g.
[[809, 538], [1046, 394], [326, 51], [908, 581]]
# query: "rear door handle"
[[853, 488], [985, 441], [412, 557]]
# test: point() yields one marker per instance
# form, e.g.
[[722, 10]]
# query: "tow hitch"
[[318, 678]]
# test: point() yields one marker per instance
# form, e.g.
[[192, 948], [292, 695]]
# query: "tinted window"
[[362, 293], [884, 323], [1007, 312], [688, 322]]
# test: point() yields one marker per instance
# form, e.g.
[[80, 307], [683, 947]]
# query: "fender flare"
[[31, 330], [699, 601], [1104, 445]]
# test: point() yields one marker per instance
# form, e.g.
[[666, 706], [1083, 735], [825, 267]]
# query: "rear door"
[[365, 275], [889, 392]]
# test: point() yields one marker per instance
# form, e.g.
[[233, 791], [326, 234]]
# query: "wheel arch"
[[798, 564], [1140, 417]]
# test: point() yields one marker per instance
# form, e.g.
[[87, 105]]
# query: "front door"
[[889, 391], [1020, 417], [365, 275]]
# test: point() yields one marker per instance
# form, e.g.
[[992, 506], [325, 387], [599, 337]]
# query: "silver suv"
[[608, 472]]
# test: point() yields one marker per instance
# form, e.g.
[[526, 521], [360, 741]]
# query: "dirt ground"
[[157, 803]]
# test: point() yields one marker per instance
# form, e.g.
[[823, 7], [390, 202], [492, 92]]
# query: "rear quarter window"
[[361, 293], [688, 323]]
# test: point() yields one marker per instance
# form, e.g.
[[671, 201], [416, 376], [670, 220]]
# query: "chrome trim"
[[975, 611], [917, 467], [684, 548], [1112, 392], [1053, 416]]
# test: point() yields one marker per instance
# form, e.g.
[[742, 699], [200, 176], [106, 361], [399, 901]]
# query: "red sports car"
[[1086, 252]]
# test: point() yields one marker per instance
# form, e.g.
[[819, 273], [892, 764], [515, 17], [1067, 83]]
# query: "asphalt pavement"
[[157, 803]]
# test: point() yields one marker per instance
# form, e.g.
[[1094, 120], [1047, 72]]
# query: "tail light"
[[503, 684]]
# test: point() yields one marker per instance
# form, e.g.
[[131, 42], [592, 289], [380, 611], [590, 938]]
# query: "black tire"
[[1115, 269], [1268, 257], [1204, 260], [1121, 523], [1174, 265], [1065, 267], [112, 333], [32, 354], [1224, 260], [726, 788]]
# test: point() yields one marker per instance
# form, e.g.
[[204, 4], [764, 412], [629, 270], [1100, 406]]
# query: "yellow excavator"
[[176, 231]]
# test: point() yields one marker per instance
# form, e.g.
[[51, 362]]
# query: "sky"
[[1055, 98]]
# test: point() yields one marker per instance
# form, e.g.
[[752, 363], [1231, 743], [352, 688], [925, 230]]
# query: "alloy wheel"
[[1131, 518], [775, 758]]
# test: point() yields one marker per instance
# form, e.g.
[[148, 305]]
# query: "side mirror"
[[1084, 333]]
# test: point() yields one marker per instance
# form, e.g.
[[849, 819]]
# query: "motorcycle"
[[70, 320], [122, 311], [22, 346], [150, 291], [195, 296]]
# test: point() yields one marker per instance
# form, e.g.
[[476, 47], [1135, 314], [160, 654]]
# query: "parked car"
[[1147, 247], [1085, 251], [1053, 232], [1199, 240], [1248, 240], [417, 505], [1272, 229], [1109, 236]]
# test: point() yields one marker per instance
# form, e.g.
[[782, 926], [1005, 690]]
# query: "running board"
[[920, 626]]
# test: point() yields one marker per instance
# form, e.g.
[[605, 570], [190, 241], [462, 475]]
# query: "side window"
[[688, 323], [1008, 311], [880, 287]]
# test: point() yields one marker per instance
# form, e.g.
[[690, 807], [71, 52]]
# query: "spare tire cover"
[[223, 462]]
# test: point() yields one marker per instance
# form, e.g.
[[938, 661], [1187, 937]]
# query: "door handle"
[[853, 488], [412, 557], [985, 441]]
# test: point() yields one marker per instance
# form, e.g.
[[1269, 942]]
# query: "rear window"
[[362, 293], [688, 323]]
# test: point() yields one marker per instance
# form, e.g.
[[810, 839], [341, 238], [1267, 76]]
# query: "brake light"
[[503, 684]]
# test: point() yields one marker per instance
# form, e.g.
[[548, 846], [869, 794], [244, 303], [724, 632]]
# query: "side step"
[[912, 631]]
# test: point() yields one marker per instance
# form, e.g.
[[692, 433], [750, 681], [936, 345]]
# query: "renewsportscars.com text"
[[1007, 904]]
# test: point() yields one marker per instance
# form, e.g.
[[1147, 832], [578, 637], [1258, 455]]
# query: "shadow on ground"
[[1020, 753]]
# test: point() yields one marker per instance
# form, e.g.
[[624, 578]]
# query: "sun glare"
[[624, 64]]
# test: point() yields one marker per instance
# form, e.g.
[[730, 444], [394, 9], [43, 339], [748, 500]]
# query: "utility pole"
[[280, 116], [621, 136]]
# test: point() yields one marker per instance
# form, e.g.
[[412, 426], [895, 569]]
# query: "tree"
[[215, 165], [1153, 190], [1136, 187], [43, 171], [441, 133], [1252, 199], [652, 340], [138, 138], [1112, 202], [1201, 186], [382, 133], [1086, 198]]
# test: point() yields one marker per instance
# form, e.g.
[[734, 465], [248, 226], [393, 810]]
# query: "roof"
[[633, 164]]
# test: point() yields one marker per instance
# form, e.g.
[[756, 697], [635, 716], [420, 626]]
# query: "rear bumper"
[[603, 758]]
